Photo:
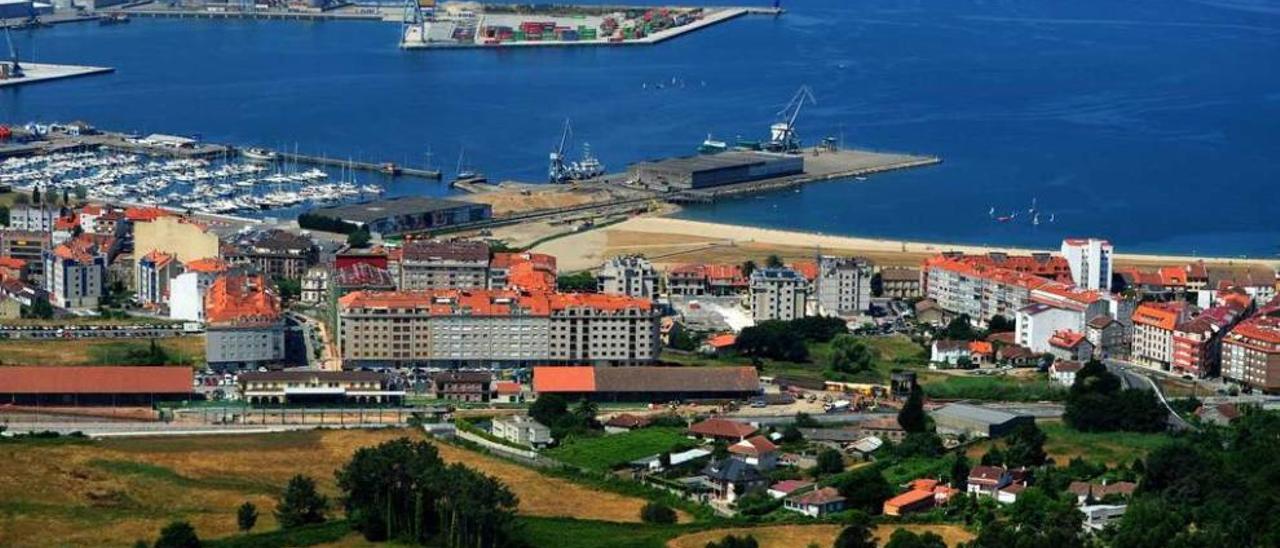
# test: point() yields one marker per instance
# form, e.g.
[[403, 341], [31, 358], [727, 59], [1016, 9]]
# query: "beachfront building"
[[454, 264], [245, 323], [1251, 353], [630, 275], [1153, 326], [1070, 345], [778, 294], [74, 273], [495, 327], [843, 286], [706, 279], [1090, 260], [900, 283]]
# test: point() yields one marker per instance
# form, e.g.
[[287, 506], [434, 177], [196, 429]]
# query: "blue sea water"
[[1155, 123]]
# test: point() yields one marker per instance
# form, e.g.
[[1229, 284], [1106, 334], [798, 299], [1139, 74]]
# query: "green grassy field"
[[186, 350], [893, 352], [994, 387], [605, 452], [1111, 448]]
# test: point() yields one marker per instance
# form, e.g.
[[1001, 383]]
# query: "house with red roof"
[[625, 422], [721, 429], [507, 392], [757, 451], [153, 274], [786, 488], [719, 344], [922, 494], [816, 503], [1070, 345]]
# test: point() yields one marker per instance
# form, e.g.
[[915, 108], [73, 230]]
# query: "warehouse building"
[[696, 172], [971, 420], [647, 384], [94, 386], [407, 214]]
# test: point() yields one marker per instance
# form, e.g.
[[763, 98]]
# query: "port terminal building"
[[408, 214], [711, 170]]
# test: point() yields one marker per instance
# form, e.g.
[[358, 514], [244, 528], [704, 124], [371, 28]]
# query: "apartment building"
[[28, 246], [245, 323], [523, 271], [1197, 343], [276, 253], [1090, 262], [843, 286], [630, 275], [900, 283], [778, 294], [1153, 326], [184, 238], [706, 279], [495, 327], [457, 264], [978, 291], [34, 218], [188, 289], [1109, 337], [153, 276], [74, 273], [1251, 353]]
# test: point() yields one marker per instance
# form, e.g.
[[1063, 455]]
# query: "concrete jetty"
[[34, 73], [387, 168]]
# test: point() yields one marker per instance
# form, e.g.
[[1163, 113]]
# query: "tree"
[[35, 195], [773, 261], [300, 504], [960, 329], [580, 282], [548, 409], [1025, 446], [960, 472], [911, 417], [865, 489], [359, 238], [585, 412], [993, 457], [4, 216], [40, 309], [903, 538], [748, 267], [919, 444], [849, 355], [877, 285], [66, 198], [657, 512], [1000, 324], [803, 420], [772, 339], [857, 534], [830, 462], [734, 541], [289, 289], [791, 434], [82, 192], [50, 197], [247, 516], [1098, 403], [178, 534]]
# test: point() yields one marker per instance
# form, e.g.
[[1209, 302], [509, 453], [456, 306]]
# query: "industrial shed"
[[971, 420], [695, 172], [647, 384], [407, 214], [94, 386]]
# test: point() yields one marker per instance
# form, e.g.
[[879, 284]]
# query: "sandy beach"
[[673, 241]]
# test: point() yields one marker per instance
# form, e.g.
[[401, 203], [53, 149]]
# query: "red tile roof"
[[208, 265], [481, 302], [723, 340], [241, 300], [507, 387], [564, 379], [143, 214], [1159, 315], [627, 420], [808, 269], [981, 348], [1066, 339], [826, 495], [722, 428], [910, 498], [754, 446], [95, 380], [787, 487]]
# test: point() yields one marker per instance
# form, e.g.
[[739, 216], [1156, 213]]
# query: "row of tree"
[[1098, 403]]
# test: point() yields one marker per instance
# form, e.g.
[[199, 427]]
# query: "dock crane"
[[782, 135], [15, 70], [558, 171]]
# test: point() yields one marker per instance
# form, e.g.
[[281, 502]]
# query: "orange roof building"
[[648, 384], [93, 386], [1153, 326], [1251, 353], [241, 301]]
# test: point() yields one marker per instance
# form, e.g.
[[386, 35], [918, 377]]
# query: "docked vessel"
[[256, 154], [465, 175], [712, 146], [113, 19], [560, 171]]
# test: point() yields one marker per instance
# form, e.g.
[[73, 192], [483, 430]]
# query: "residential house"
[[757, 451], [886, 428], [787, 488], [816, 503], [1064, 372], [1098, 516], [928, 312], [1009, 493], [721, 429], [706, 279], [1070, 345], [733, 478], [986, 481], [719, 345], [154, 274], [625, 422], [466, 386], [508, 392], [923, 494], [949, 352], [522, 430], [1108, 336], [1017, 356], [1086, 492]]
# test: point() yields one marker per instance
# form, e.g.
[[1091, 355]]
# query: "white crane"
[[782, 135], [558, 171]]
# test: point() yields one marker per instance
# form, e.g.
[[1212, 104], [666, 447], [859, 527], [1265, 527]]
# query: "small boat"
[[467, 175], [1007, 218], [390, 169], [113, 19], [712, 146], [256, 154]]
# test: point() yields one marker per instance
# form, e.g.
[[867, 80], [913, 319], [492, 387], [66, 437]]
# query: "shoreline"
[[668, 240]]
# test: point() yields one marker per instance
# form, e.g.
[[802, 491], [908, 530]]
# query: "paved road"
[[1133, 376], [128, 429]]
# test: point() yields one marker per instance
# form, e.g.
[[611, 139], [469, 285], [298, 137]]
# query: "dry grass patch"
[[93, 351], [790, 536], [112, 492], [547, 496]]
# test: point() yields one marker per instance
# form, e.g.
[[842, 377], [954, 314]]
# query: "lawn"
[[991, 387], [603, 453], [1111, 448], [185, 350], [891, 352]]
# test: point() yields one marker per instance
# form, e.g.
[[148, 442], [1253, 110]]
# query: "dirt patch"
[[790, 536], [548, 496]]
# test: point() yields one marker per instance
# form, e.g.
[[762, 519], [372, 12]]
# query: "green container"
[[549, 35], [519, 35]]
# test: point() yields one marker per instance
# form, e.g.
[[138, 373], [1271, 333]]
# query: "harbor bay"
[[1095, 160]]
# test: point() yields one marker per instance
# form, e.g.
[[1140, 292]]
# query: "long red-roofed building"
[[495, 327], [93, 386]]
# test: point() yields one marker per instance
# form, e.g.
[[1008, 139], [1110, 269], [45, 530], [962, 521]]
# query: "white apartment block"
[[778, 294], [1090, 261], [1037, 322], [629, 275], [444, 265], [33, 218], [843, 286]]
